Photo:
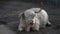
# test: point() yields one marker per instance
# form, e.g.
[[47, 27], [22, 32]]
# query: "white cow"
[[33, 18]]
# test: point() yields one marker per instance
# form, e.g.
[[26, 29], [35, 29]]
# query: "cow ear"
[[20, 14], [23, 16]]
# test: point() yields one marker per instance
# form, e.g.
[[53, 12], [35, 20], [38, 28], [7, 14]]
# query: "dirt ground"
[[9, 13]]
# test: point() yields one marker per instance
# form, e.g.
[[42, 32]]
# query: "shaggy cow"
[[34, 18]]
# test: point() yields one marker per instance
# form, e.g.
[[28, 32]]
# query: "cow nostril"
[[31, 23]]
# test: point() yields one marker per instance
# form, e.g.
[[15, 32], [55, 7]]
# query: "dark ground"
[[9, 13]]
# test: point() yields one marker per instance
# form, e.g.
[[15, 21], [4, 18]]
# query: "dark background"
[[9, 20]]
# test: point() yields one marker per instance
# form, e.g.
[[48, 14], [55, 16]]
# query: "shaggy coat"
[[33, 18]]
